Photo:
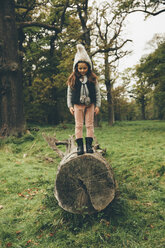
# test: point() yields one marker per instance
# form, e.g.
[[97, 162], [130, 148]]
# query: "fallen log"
[[84, 184]]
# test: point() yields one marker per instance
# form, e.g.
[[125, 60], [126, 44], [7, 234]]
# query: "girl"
[[83, 98]]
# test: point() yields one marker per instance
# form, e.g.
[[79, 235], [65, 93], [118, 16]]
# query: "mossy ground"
[[31, 217]]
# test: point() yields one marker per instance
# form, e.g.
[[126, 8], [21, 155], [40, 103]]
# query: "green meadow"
[[30, 215]]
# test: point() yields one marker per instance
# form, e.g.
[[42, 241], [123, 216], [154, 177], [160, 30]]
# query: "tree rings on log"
[[84, 184]]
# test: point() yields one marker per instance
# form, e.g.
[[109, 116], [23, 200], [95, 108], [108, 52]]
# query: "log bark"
[[84, 184]]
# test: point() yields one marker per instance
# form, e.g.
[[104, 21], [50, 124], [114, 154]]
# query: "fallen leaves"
[[9, 244], [28, 242], [49, 160], [29, 193], [148, 204], [31, 242], [18, 163], [107, 223], [51, 234]]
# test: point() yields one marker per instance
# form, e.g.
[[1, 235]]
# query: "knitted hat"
[[81, 55]]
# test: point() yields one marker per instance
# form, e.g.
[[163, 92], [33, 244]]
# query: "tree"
[[84, 184], [11, 91], [148, 76], [40, 27], [152, 67], [140, 92], [47, 64], [137, 88], [109, 23], [123, 108]]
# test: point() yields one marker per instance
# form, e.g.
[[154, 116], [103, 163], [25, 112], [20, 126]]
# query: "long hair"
[[92, 78]]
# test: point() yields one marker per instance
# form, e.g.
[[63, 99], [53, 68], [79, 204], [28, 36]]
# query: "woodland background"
[[38, 43]]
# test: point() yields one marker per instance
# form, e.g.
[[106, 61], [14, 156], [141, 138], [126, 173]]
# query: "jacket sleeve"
[[69, 97], [98, 96]]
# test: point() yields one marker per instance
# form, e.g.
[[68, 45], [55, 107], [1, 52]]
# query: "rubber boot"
[[80, 146], [89, 141]]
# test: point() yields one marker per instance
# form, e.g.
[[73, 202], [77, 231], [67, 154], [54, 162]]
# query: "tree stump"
[[84, 184]]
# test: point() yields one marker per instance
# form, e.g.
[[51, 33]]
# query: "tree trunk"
[[11, 92], [82, 9], [111, 118], [143, 108], [84, 184]]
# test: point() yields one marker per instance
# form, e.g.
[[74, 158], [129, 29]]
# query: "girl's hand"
[[97, 110], [72, 110]]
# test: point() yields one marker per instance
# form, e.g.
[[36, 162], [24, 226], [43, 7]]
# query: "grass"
[[31, 217]]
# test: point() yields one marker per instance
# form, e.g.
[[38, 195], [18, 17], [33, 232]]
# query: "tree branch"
[[52, 142], [147, 12], [63, 14], [17, 6], [110, 48], [39, 24], [98, 26]]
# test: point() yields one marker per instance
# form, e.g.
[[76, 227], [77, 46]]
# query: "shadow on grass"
[[117, 212]]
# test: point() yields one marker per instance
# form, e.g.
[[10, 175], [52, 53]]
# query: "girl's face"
[[82, 68]]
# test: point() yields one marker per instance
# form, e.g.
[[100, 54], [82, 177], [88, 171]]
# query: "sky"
[[141, 32]]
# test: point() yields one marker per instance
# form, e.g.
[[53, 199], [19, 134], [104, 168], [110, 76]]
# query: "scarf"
[[84, 90]]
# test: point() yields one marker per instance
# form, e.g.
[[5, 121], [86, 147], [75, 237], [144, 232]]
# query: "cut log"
[[84, 184]]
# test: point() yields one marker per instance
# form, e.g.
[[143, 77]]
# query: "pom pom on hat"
[[81, 55]]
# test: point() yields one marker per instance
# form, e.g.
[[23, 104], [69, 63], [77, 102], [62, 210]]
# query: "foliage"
[[124, 109], [150, 7], [140, 92], [152, 68], [145, 82], [31, 217], [47, 58]]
